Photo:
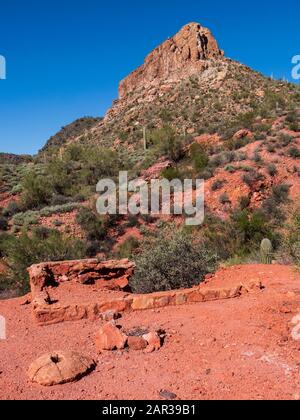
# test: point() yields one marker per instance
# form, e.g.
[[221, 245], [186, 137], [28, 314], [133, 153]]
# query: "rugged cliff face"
[[180, 56]]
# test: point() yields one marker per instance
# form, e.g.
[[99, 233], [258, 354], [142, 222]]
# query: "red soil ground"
[[235, 349]]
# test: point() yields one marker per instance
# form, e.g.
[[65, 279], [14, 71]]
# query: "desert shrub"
[[36, 191], [199, 157], [12, 209], [3, 223], [127, 248], [133, 221], [290, 247], [285, 140], [58, 223], [294, 126], [280, 193], [272, 207], [60, 177], [168, 143], [272, 170], [171, 173], [230, 168], [58, 200], [224, 199], [79, 198], [244, 202], [63, 209], [22, 252], [217, 185], [172, 263], [240, 235], [250, 227], [252, 177], [294, 152], [17, 189], [26, 219], [236, 144], [292, 116], [222, 159], [257, 158], [271, 148], [241, 156], [98, 164], [95, 226], [206, 174]]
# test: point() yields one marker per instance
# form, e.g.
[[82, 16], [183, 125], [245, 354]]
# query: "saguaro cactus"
[[266, 251]]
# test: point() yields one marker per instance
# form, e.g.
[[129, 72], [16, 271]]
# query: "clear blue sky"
[[65, 58]]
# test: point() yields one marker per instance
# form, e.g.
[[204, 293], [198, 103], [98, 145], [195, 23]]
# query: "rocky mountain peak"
[[178, 57]]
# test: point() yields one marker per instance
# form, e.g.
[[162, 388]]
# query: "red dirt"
[[67, 225], [234, 349], [7, 198]]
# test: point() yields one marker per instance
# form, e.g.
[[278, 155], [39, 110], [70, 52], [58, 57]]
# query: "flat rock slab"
[[59, 368]]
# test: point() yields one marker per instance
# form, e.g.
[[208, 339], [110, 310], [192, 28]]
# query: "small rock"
[[110, 338], [110, 316], [167, 395], [137, 343], [154, 342], [285, 310]]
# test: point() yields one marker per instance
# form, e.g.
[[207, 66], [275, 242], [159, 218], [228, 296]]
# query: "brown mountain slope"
[[188, 83]]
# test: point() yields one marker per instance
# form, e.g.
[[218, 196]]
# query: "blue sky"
[[65, 58]]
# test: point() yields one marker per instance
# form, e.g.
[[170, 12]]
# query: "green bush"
[[168, 143], [37, 191], [172, 263], [251, 227], [272, 170], [63, 209], [280, 193], [217, 185], [171, 173], [26, 219], [3, 223], [224, 199], [199, 157], [42, 245], [290, 248], [95, 226], [294, 152], [127, 248], [12, 209], [236, 144]]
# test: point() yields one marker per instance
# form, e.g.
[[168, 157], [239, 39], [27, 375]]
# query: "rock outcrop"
[[112, 275], [179, 57]]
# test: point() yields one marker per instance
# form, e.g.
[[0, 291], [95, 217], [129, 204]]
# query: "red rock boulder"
[[110, 338]]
